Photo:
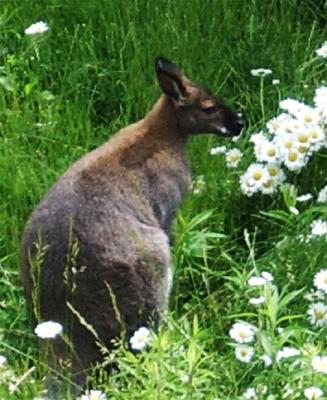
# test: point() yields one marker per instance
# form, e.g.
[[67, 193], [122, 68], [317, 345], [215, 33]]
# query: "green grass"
[[66, 92]]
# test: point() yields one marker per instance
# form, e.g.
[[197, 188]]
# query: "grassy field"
[[64, 92]]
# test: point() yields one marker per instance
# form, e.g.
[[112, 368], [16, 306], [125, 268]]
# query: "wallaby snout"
[[232, 125], [198, 110]]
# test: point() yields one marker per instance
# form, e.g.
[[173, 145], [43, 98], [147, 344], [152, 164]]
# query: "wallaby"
[[102, 232]]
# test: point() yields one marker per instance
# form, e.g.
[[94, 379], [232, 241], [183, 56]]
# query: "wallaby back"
[[96, 248]]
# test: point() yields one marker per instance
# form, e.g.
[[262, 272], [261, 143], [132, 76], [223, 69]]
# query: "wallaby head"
[[197, 109]]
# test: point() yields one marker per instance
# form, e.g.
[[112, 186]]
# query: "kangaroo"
[[117, 204]]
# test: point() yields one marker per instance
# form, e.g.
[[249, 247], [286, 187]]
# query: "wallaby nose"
[[239, 125]]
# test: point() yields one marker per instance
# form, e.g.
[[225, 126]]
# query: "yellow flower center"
[[257, 175], [243, 334], [314, 134], [319, 314], [303, 138], [271, 152], [292, 156], [288, 144], [268, 184], [235, 157], [303, 149], [273, 171], [308, 119]]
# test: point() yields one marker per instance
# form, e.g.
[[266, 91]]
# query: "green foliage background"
[[66, 92]]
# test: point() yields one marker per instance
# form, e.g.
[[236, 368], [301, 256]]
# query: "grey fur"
[[117, 204]]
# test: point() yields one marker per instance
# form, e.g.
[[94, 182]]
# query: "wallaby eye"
[[209, 110]]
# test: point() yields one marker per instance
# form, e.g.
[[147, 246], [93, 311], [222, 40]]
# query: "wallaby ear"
[[171, 79]]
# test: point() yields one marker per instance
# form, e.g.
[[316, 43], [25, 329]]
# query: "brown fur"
[[117, 204]]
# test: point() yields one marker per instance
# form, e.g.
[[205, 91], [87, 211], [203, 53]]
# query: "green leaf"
[[278, 215], [7, 83], [283, 302], [266, 343], [29, 87]]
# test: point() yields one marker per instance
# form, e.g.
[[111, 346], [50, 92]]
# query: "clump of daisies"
[[275, 347], [287, 142], [243, 333]]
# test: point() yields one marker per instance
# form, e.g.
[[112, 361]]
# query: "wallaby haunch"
[[101, 234]]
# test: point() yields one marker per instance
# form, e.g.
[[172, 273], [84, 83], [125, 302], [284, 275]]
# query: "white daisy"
[[303, 139], [261, 72], [276, 173], [140, 339], [292, 106], [246, 186], [304, 197], [320, 280], [267, 152], [37, 28], [319, 228], [93, 395], [257, 174], [313, 393], [294, 210], [48, 330], [244, 353], [285, 142], [218, 150], [242, 332], [322, 196], [275, 124], [275, 82], [185, 378], [287, 352], [266, 359], [3, 361], [257, 300], [257, 281], [267, 276], [319, 364], [258, 138], [294, 160], [269, 187], [250, 393], [233, 157], [318, 314], [309, 115], [322, 51], [320, 98], [254, 178], [317, 137]]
